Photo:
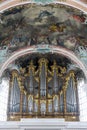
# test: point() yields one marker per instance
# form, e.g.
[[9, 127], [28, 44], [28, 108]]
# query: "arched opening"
[[43, 86], [34, 25]]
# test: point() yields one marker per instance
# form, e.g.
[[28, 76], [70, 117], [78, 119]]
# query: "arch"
[[53, 49], [12, 3]]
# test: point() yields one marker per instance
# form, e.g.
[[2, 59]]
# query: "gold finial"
[[22, 70], [31, 66], [43, 60], [31, 63], [54, 63], [54, 66]]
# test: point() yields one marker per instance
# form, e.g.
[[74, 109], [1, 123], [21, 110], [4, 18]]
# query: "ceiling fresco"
[[32, 24], [84, 1]]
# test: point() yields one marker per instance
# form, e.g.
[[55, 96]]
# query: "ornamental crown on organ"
[[43, 91]]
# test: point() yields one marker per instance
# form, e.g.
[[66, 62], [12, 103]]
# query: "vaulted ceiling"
[[50, 24], [37, 24]]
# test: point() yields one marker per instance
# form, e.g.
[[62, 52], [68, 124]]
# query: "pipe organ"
[[43, 91]]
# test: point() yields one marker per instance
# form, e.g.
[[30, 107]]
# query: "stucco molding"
[[12, 3], [43, 49]]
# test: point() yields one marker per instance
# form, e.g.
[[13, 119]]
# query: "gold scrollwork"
[[36, 71]]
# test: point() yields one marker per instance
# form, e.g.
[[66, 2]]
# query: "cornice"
[[11, 3]]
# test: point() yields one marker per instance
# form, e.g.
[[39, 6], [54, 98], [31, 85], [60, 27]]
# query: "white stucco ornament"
[[47, 1]]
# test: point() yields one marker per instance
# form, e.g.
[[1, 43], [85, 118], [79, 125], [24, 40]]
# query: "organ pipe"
[[43, 91], [43, 76], [24, 104], [71, 94], [15, 95]]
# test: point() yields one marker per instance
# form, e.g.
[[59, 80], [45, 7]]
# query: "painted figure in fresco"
[[44, 14], [58, 27], [60, 42], [70, 42], [82, 19]]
